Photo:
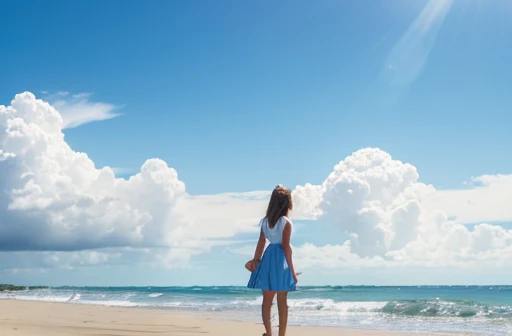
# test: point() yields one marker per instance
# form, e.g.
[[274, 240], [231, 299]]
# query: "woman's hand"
[[295, 278], [251, 265]]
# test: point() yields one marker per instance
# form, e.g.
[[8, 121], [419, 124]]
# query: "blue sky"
[[239, 97]]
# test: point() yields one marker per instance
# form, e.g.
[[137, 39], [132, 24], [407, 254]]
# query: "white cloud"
[[223, 215], [388, 216], [47, 260], [55, 200], [488, 201], [306, 200], [331, 257], [77, 109], [5, 156], [121, 170]]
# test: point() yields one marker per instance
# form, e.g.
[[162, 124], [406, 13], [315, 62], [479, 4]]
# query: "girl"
[[274, 273]]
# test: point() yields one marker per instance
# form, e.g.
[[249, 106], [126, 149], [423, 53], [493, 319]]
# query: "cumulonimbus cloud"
[[389, 216], [55, 199]]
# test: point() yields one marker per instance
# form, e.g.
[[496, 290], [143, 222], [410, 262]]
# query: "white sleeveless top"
[[275, 234]]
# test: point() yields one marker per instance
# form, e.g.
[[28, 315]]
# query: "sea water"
[[480, 310]]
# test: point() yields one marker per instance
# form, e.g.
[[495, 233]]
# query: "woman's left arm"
[[287, 249]]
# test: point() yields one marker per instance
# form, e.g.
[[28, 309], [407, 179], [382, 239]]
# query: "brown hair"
[[279, 205]]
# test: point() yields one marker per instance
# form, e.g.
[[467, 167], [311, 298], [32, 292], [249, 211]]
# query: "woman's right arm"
[[287, 249], [259, 247]]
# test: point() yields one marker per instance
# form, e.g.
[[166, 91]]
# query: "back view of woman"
[[274, 273]]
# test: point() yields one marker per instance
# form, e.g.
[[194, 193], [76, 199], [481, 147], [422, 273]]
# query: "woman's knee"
[[268, 297], [282, 297]]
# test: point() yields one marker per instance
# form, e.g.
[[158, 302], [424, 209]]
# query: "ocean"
[[480, 310]]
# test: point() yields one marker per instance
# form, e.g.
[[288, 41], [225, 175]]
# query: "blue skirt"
[[273, 273]]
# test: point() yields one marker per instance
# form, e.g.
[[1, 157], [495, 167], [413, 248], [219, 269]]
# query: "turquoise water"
[[481, 310]]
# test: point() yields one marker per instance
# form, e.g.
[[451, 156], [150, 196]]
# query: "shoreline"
[[39, 318]]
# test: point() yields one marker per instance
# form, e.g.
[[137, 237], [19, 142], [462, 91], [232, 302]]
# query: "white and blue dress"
[[273, 272]]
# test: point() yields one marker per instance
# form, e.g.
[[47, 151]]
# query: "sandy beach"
[[32, 318]]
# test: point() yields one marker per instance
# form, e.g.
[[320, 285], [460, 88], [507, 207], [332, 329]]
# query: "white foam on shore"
[[114, 303], [321, 305], [48, 298]]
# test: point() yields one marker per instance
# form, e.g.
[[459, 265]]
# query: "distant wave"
[[155, 295], [334, 306], [443, 308]]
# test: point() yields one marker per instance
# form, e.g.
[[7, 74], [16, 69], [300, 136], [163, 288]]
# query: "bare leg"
[[268, 297], [282, 306]]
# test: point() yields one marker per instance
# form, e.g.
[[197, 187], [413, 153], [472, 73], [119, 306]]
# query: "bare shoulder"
[[287, 224], [287, 221]]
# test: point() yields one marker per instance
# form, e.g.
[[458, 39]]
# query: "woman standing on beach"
[[274, 273]]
